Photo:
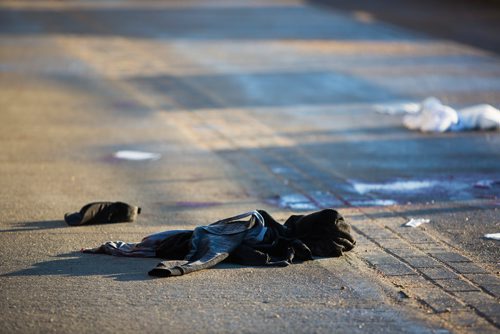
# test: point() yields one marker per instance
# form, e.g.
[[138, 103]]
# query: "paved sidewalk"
[[251, 104]]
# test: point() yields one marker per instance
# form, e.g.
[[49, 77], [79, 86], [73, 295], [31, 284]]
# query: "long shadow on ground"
[[80, 264]]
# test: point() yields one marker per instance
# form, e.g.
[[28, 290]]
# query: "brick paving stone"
[[439, 300], [422, 262], [362, 241], [394, 223], [466, 268], [470, 322], [449, 257], [486, 305], [396, 269], [493, 289], [482, 328], [430, 247], [438, 273], [380, 258], [405, 252], [382, 234], [453, 285], [483, 279], [370, 230], [411, 282], [472, 297], [417, 238], [393, 243], [463, 318], [491, 311]]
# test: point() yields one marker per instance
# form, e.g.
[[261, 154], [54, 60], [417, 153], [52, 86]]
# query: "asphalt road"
[[474, 23], [257, 104]]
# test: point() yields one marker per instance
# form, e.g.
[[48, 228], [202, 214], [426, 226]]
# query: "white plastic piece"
[[136, 155], [375, 202], [481, 117], [493, 236], [433, 117], [296, 202], [415, 222], [398, 108], [398, 186]]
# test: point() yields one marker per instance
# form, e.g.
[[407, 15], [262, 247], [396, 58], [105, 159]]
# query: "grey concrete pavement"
[[255, 104]]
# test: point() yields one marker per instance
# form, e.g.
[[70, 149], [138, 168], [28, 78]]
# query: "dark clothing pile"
[[258, 241], [103, 213]]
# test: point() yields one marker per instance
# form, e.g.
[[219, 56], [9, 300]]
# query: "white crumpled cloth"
[[434, 116]]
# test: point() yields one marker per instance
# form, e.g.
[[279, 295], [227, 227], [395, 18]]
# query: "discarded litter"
[[297, 202], [398, 108], [397, 186], [136, 155], [103, 213], [374, 202], [493, 236], [415, 222], [252, 238], [431, 115], [482, 117], [485, 184]]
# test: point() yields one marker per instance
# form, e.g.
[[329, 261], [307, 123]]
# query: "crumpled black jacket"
[[324, 234], [259, 240]]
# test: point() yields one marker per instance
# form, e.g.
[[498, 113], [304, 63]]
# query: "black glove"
[[103, 213]]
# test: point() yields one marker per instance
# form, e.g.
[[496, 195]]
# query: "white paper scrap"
[[494, 236], [415, 222], [136, 155], [398, 108]]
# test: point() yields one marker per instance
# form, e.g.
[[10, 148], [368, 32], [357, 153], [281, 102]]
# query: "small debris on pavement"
[[403, 295], [431, 115], [136, 155], [103, 213], [415, 222], [493, 236], [485, 184], [397, 108], [296, 202], [375, 202], [397, 186]]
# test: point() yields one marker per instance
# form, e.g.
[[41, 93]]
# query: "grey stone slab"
[[430, 247], [453, 285], [467, 268], [493, 289], [463, 318], [491, 311], [405, 252], [482, 279], [439, 300], [379, 258], [418, 238], [483, 303], [422, 262], [381, 234], [393, 243], [449, 257], [438, 273], [396, 269]]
